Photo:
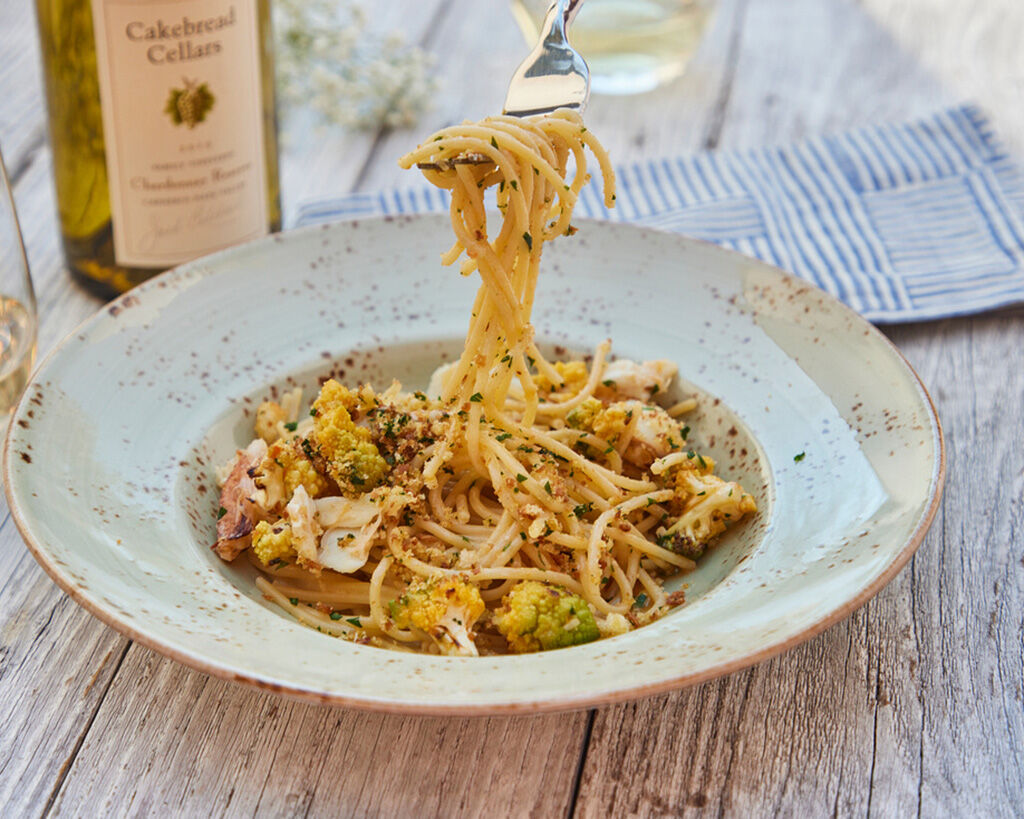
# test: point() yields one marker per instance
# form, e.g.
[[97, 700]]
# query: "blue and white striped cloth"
[[901, 222]]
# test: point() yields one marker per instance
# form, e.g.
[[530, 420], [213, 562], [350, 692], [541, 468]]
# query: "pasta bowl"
[[110, 462]]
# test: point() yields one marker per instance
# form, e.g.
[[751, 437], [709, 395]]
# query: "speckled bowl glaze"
[[109, 464]]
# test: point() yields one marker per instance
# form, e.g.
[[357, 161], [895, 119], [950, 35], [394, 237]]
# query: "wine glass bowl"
[[17, 305]]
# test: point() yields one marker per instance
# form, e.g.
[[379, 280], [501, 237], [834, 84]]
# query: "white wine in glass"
[[17, 306]]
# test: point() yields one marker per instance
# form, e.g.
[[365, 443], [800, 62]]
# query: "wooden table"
[[915, 704]]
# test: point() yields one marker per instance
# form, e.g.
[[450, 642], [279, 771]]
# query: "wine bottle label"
[[181, 94]]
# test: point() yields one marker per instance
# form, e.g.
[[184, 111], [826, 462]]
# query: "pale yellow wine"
[[17, 352], [162, 125]]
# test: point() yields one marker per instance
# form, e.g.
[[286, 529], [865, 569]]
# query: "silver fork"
[[552, 76]]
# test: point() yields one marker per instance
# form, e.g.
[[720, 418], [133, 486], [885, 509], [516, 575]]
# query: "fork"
[[552, 76]]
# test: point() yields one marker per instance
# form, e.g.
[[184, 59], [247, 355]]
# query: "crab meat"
[[350, 528], [269, 482], [655, 434], [639, 381], [234, 528], [301, 511], [345, 512]]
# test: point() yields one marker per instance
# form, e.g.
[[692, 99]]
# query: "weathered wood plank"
[[913, 705], [805, 67], [56, 663], [168, 741], [972, 49], [968, 588], [21, 114]]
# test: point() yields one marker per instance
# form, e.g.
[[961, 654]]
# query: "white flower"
[[328, 61]]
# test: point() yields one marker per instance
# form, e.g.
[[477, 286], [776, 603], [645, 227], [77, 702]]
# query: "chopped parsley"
[[307, 447], [641, 601], [503, 437], [529, 240], [291, 425], [221, 512], [335, 615], [547, 487], [355, 621], [520, 478], [476, 398], [293, 600], [799, 457]]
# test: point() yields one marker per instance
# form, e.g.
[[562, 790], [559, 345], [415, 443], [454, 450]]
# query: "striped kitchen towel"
[[901, 222]]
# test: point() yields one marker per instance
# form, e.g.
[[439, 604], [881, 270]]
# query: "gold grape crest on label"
[[189, 105]]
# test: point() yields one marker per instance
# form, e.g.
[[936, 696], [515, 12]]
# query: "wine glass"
[[17, 306], [631, 46]]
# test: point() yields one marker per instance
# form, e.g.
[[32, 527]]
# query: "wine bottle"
[[163, 131]]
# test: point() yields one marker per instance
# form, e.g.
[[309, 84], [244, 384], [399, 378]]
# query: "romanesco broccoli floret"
[[582, 417], [272, 542], [536, 616], [349, 456], [444, 608], [298, 469]]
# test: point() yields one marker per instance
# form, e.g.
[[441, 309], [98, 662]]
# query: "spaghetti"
[[519, 504]]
